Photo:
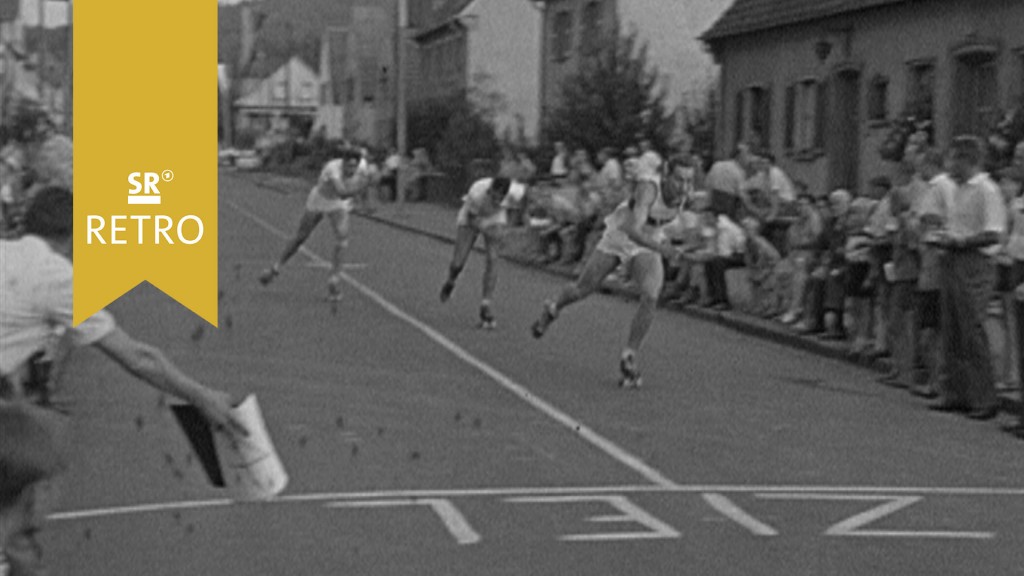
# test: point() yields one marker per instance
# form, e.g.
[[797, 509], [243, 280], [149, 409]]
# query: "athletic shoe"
[[446, 291], [268, 275], [487, 320], [546, 318], [630, 372]]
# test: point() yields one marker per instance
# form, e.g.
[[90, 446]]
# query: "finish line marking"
[[549, 410]]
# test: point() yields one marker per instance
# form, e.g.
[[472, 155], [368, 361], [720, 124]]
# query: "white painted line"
[[585, 432], [140, 509], [730, 510], [630, 512], [865, 493], [450, 516], [853, 525], [323, 264]]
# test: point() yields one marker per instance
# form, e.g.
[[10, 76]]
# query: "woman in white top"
[[633, 238]]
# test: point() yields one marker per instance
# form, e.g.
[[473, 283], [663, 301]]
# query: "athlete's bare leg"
[[596, 269], [465, 237], [649, 274], [307, 224], [340, 225]]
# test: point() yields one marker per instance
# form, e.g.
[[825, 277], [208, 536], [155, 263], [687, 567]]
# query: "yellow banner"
[[145, 152]]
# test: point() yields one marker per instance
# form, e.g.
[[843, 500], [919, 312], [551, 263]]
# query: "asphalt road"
[[418, 444]]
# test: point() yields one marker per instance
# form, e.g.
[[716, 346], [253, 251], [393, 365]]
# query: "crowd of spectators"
[[918, 269]]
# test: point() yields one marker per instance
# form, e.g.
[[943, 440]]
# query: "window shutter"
[[739, 118], [790, 128], [766, 116], [821, 115]]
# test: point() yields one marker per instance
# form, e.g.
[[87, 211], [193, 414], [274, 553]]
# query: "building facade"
[[291, 92], [573, 32], [821, 83], [486, 46]]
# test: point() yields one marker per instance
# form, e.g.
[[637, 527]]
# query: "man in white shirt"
[[333, 196], [36, 276], [725, 181], [484, 213], [975, 222]]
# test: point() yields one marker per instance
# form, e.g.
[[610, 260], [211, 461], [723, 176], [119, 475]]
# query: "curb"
[[758, 328]]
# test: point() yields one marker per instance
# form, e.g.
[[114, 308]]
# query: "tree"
[[615, 100]]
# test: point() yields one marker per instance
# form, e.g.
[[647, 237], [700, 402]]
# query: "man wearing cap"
[[332, 196], [36, 282]]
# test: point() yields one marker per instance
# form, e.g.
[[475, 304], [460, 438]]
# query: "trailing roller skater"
[[333, 196]]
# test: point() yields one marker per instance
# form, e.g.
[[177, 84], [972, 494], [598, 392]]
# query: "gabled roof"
[[746, 16]]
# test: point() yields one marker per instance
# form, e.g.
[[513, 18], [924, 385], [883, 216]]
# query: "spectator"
[[723, 249], [389, 174], [684, 232], [527, 169], [880, 227], [1018, 428], [762, 261], [560, 163], [976, 219], [420, 168], [611, 169], [825, 287], [939, 193], [902, 274], [508, 165], [1012, 270], [803, 239], [860, 273], [725, 181]]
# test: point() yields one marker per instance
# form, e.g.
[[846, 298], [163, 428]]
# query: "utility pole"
[[401, 120], [41, 70]]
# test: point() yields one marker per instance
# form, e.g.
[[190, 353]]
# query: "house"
[[820, 83], [573, 32], [357, 71], [485, 45], [291, 92]]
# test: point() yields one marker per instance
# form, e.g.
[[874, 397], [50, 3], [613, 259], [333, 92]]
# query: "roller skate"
[[546, 318], [268, 275], [334, 289], [630, 373], [446, 290], [487, 320]]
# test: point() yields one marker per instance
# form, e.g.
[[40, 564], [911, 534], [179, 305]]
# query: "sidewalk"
[[438, 222]]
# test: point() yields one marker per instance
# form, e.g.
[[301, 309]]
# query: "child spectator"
[[861, 272], [902, 273]]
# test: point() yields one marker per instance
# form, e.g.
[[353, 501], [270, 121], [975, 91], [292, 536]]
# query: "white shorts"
[[616, 243], [499, 218], [316, 202]]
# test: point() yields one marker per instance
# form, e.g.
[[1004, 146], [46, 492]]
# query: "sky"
[[671, 28]]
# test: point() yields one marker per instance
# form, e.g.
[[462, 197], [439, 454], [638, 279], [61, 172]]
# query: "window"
[[308, 92], [280, 91], [921, 90], [592, 33], [975, 94], [878, 99], [562, 44], [754, 116], [805, 117]]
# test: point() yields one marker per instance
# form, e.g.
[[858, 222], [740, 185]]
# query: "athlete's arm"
[[151, 365]]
